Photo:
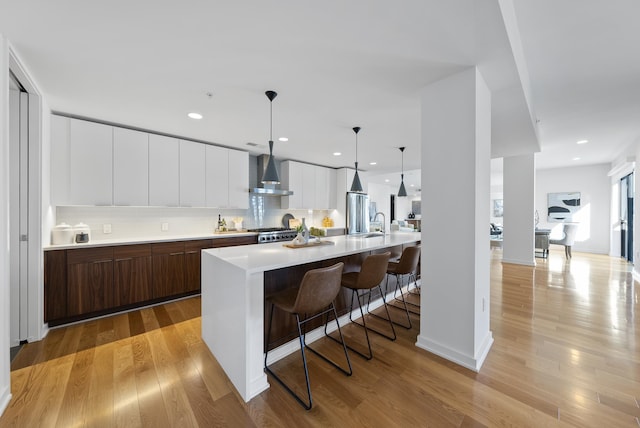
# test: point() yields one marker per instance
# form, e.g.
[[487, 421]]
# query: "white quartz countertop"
[[146, 240], [264, 257]]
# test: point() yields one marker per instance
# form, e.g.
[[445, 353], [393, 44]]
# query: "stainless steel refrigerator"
[[357, 213]]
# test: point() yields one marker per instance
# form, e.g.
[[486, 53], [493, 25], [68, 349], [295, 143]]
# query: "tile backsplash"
[[141, 222]]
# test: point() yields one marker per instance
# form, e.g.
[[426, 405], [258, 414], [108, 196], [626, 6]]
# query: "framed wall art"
[[562, 206]]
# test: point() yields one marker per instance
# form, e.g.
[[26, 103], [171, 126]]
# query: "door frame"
[[36, 328]]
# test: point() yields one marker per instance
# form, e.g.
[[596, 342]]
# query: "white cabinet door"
[[322, 189], [192, 174], [291, 179], [164, 171], [238, 179], [60, 160], [130, 167], [217, 177], [90, 163], [308, 186]]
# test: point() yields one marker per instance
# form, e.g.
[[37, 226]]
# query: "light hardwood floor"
[[566, 353]]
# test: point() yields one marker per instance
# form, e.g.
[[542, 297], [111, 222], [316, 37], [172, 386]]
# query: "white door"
[[18, 211]]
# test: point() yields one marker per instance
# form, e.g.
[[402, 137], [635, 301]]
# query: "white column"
[[519, 210], [5, 371], [456, 150]]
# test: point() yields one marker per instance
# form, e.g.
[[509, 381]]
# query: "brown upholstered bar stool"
[[369, 277], [314, 298], [407, 265]]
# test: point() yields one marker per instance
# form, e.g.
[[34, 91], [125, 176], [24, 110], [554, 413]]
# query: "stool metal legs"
[[308, 403], [366, 328]]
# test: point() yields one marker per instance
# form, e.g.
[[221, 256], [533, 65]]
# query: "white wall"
[[5, 374], [595, 192]]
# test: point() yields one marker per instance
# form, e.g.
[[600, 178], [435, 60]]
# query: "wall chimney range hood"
[[264, 189]]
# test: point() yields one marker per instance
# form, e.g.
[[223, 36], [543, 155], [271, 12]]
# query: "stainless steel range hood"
[[264, 189]]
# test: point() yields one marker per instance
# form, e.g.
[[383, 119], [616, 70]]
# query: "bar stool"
[[314, 298], [369, 277], [407, 265]]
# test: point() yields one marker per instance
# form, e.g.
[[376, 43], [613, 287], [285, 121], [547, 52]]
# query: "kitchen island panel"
[[232, 303]]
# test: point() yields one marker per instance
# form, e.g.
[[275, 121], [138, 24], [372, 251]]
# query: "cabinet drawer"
[[196, 246], [236, 240], [132, 251], [167, 248], [87, 255]]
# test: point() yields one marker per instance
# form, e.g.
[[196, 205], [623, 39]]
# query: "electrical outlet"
[[164, 227], [106, 228]]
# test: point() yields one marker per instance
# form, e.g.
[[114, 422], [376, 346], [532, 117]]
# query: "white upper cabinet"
[[227, 182], [60, 179], [238, 179], [164, 171], [192, 174], [130, 167], [96, 164], [313, 186], [291, 179], [308, 186], [325, 188], [217, 177], [90, 163]]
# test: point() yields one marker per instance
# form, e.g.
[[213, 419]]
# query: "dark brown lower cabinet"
[[168, 269], [192, 258], [132, 274], [85, 282], [89, 280], [55, 285]]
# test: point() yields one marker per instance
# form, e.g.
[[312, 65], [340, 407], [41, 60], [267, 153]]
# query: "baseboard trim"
[[5, 398], [470, 362], [519, 262]]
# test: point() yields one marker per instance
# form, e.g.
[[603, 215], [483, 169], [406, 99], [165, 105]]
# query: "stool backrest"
[[319, 287], [408, 260], [373, 270]]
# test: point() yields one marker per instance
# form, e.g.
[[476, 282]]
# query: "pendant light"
[[356, 186], [270, 175], [402, 191]]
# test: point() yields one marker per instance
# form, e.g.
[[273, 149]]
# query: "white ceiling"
[[335, 65]]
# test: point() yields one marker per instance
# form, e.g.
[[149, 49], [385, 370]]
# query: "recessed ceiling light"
[[411, 185], [194, 115], [575, 159], [373, 163], [582, 142], [337, 153], [283, 139], [386, 180]]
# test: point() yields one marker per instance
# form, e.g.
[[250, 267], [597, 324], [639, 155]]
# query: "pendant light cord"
[[270, 120]]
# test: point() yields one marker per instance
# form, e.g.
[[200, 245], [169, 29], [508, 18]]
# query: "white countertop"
[[264, 257], [145, 240]]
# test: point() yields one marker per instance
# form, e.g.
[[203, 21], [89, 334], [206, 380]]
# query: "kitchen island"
[[233, 291]]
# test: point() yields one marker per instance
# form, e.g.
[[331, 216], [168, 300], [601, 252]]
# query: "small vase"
[[299, 239], [305, 231]]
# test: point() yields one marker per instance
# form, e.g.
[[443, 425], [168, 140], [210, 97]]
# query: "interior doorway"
[[18, 210], [626, 217]]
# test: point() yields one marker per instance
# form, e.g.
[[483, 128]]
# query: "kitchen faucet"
[[384, 221]]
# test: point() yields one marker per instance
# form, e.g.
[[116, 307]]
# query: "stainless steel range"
[[274, 234]]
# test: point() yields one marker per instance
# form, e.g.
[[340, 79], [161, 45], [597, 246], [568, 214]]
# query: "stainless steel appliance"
[[357, 213], [274, 234]]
